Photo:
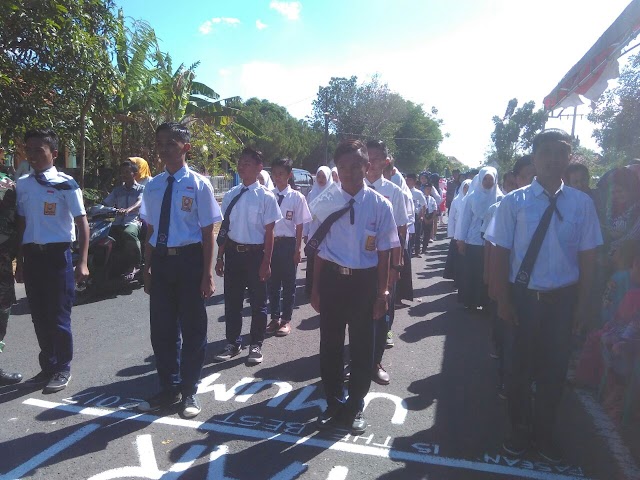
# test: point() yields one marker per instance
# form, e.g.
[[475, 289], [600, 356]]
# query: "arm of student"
[[147, 260], [381, 305], [207, 285], [587, 261], [265, 266], [82, 271], [297, 255], [135, 206], [220, 260], [20, 224], [318, 265], [501, 257]]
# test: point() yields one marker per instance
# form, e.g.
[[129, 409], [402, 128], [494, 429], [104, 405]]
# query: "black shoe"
[[327, 419], [164, 399], [7, 378], [549, 451], [58, 382], [40, 379], [190, 407], [517, 443], [358, 425]]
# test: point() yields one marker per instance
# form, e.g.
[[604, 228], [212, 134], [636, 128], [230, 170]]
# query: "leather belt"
[[346, 270], [243, 248], [552, 296], [173, 251], [47, 247], [278, 239]]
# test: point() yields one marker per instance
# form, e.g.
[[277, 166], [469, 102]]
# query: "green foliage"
[[513, 133], [617, 113]]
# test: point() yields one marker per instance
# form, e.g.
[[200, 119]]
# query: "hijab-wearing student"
[[451, 266]]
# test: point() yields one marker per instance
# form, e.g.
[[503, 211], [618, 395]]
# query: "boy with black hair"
[[420, 207], [127, 198], [524, 170], [577, 176], [180, 210], [545, 238], [49, 203], [244, 258], [286, 247]]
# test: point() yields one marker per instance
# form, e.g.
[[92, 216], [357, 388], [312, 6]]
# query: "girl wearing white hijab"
[[485, 192], [334, 175], [265, 179], [454, 214], [322, 182]]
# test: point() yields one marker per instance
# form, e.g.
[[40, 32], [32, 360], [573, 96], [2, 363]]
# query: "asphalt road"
[[440, 417]]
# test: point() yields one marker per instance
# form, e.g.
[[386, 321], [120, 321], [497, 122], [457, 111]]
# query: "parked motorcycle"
[[106, 260]]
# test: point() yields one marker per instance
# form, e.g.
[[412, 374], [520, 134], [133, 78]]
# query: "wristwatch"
[[219, 258]]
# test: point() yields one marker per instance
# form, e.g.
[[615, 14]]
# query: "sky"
[[467, 58]]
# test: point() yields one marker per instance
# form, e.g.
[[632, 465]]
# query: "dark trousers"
[[537, 350], [283, 279], [497, 338], [415, 238], [128, 238], [347, 300], [50, 287], [241, 270], [427, 227], [308, 283], [178, 319], [383, 325]]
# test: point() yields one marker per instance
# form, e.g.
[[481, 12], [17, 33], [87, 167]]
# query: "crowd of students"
[[552, 262]]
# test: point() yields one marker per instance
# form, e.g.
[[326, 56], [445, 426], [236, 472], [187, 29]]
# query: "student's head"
[[352, 160], [334, 175], [411, 180], [509, 182], [456, 174], [321, 176], [424, 178], [551, 154], [625, 188], [128, 171], [249, 165], [172, 144], [378, 158], [524, 170], [465, 187], [577, 176], [488, 180], [281, 172], [42, 148], [388, 170]]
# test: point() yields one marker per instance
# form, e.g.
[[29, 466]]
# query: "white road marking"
[[53, 450], [338, 473], [312, 441]]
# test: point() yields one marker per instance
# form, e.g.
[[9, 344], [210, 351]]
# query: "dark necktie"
[[165, 214], [371, 187], [311, 247], [528, 263], [69, 184], [280, 199], [224, 228]]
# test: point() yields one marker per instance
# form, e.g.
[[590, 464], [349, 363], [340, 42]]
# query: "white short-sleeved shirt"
[[419, 199], [123, 197], [193, 206], [432, 206], [49, 213], [256, 209], [294, 209], [488, 217], [373, 230], [517, 218], [393, 193]]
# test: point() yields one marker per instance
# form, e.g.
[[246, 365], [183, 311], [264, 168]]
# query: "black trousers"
[[427, 227], [537, 350], [347, 300], [178, 319]]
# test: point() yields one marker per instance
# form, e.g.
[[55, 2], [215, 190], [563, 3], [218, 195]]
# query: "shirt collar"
[[357, 197], [253, 186], [283, 192], [49, 173], [378, 183], [538, 189], [180, 174]]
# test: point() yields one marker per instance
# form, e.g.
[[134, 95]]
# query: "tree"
[[618, 115], [514, 132], [416, 139]]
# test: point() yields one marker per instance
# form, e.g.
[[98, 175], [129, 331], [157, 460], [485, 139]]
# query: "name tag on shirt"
[[187, 203], [50, 208], [289, 215]]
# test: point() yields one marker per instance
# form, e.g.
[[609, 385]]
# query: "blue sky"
[[465, 57]]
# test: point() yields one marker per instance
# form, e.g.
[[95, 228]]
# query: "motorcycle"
[[106, 261]]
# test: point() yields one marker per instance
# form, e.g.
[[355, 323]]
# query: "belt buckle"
[[344, 270], [172, 251], [241, 248]]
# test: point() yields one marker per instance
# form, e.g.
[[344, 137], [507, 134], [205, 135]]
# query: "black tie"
[[524, 274], [280, 199], [165, 215], [371, 187], [224, 228], [69, 184], [311, 247]]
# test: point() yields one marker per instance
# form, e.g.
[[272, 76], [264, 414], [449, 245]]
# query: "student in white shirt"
[[451, 267], [350, 288], [244, 258], [286, 247], [324, 179], [419, 207], [542, 302]]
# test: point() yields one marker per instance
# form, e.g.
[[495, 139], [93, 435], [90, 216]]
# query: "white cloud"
[[260, 25], [207, 27], [290, 10], [224, 72]]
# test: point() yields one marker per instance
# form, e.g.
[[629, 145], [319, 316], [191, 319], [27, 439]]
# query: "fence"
[[221, 185]]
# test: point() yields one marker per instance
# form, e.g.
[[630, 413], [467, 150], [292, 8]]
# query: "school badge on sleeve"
[[187, 203], [50, 208]]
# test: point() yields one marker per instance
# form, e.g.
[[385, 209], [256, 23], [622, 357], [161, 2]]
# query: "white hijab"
[[481, 198], [266, 180], [317, 189], [335, 169]]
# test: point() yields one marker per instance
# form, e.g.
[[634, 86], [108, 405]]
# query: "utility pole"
[[326, 138]]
